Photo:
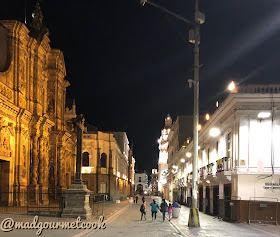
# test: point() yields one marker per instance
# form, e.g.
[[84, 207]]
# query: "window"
[[229, 145], [103, 160], [85, 161], [140, 180]]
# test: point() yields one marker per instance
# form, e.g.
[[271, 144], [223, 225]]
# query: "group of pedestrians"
[[164, 208]]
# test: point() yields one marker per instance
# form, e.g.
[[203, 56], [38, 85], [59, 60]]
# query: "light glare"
[[264, 115], [214, 132]]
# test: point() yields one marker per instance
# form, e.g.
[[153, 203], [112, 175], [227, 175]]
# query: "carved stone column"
[[35, 162], [77, 196]]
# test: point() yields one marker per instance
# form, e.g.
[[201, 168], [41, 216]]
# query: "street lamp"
[[194, 37]]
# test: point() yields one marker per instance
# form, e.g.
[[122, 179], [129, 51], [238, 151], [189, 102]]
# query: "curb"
[[177, 228], [108, 220]]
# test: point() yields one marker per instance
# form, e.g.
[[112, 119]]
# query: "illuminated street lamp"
[[214, 132], [207, 117], [231, 87], [199, 127]]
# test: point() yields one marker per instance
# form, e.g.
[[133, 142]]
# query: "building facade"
[[163, 156], [37, 147], [106, 163], [239, 157], [154, 182], [141, 183], [179, 137]]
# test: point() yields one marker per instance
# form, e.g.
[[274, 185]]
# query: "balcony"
[[223, 164]]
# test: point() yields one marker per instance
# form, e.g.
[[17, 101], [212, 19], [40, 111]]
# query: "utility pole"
[[194, 38], [194, 212]]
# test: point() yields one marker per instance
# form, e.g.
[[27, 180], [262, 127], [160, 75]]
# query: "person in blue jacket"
[[154, 209]]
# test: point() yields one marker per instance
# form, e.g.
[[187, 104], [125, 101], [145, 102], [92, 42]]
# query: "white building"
[[163, 154], [141, 183], [239, 157]]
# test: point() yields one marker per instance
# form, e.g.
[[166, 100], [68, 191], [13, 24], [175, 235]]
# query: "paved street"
[[124, 220]]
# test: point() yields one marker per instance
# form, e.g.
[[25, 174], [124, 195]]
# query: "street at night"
[[139, 118]]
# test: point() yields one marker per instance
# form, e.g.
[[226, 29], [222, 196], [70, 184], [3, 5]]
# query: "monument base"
[[77, 202], [194, 218]]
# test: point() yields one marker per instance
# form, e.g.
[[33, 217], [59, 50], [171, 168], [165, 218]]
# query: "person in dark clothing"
[[136, 199], [143, 199], [163, 208]]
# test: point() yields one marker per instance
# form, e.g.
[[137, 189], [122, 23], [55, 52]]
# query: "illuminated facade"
[[141, 183], [179, 136], [154, 182], [163, 155], [239, 157], [108, 164], [37, 150]]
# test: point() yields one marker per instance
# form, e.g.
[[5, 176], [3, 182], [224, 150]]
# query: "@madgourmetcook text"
[[8, 224]]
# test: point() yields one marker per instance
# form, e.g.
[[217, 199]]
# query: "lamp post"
[[194, 38]]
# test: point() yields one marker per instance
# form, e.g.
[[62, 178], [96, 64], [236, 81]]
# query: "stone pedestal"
[[77, 202]]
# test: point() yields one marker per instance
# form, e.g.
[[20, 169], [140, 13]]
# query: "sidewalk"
[[211, 226], [110, 209]]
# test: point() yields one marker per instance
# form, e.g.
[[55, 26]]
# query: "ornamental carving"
[[254, 107], [5, 138], [22, 83], [6, 91]]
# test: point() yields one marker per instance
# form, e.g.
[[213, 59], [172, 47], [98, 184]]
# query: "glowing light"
[[207, 181], [118, 174], [183, 160], [87, 170], [264, 115], [189, 154], [231, 86], [217, 104], [199, 127], [132, 182], [174, 167], [214, 132], [207, 117], [198, 147], [158, 140]]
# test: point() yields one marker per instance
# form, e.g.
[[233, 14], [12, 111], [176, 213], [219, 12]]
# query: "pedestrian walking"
[[143, 210], [170, 211], [143, 199], [154, 209], [136, 199], [163, 209]]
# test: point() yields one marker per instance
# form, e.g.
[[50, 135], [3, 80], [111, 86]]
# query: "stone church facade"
[[37, 145]]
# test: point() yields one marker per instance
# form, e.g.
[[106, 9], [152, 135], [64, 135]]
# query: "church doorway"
[[4, 182]]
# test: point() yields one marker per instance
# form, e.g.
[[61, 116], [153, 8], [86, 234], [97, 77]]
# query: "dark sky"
[[128, 65]]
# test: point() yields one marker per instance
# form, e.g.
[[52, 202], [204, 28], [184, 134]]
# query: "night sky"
[[128, 65]]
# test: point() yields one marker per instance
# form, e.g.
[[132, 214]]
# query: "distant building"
[[179, 136], [163, 155], [105, 167], [154, 182], [141, 183]]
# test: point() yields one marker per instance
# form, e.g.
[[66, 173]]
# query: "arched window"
[[103, 160], [85, 159]]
